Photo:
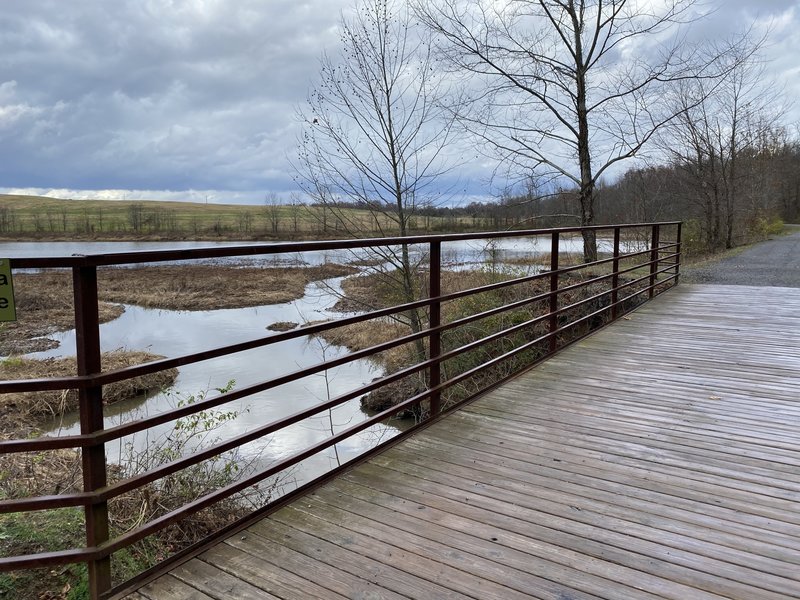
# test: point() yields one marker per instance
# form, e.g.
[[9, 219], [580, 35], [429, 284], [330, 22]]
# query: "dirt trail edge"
[[774, 263]]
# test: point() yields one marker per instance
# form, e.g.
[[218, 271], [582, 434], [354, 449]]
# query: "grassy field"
[[35, 217]]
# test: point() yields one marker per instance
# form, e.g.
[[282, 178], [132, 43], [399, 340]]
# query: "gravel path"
[[775, 262]]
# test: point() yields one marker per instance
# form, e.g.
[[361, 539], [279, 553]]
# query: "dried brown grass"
[[21, 413], [40, 473], [44, 306], [370, 333], [377, 290], [200, 287]]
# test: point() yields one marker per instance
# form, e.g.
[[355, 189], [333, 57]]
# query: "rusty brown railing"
[[621, 287]]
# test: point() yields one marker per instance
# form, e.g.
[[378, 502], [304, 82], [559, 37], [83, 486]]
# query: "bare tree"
[[272, 212], [136, 216], [245, 221], [295, 207], [720, 135], [566, 88], [374, 133]]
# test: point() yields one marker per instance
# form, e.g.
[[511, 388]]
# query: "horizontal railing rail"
[[605, 289]]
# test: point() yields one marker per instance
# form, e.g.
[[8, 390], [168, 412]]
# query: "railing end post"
[[655, 244], [678, 258], [90, 400]]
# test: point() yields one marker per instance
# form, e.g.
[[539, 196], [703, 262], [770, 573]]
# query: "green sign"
[[8, 311]]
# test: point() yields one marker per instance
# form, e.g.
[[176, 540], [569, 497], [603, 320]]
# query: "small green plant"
[[772, 226], [42, 531], [190, 434], [12, 361]]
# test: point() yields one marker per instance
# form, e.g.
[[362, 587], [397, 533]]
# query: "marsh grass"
[[374, 290], [23, 412]]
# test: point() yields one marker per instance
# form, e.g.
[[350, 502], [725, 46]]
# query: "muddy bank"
[[371, 291], [23, 413]]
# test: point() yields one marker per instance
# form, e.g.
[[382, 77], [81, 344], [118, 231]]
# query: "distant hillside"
[[36, 217]]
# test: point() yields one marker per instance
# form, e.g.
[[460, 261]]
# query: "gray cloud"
[[155, 94], [200, 94]]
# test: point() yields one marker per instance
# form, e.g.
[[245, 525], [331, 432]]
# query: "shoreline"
[[44, 299], [22, 414]]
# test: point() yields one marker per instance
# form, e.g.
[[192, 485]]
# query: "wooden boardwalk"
[[659, 458]]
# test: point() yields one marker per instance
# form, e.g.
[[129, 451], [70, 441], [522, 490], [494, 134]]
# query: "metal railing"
[[621, 287]]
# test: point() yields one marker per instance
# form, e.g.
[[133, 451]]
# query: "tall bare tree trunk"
[[586, 193]]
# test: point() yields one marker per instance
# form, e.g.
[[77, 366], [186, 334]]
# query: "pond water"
[[173, 333], [464, 252]]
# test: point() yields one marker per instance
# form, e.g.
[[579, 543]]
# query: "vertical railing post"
[[553, 290], [434, 320], [615, 277], [678, 252], [654, 256], [93, 458]]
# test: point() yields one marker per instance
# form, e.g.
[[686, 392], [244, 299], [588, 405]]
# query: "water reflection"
[[174, 333]]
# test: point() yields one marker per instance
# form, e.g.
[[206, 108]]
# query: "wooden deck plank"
[[658, 458], [286, 571], [217, 583], [759, 471], [572, 499], [627, 500], [337, 555], [596, 410], [625, 529], [170, 587], [575, 570], [570, 543], [669, 495], [357, 501], [777, 458], [781, 513], [411, 558], [516, 446]]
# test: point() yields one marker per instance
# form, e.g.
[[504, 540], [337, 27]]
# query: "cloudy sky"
[[183, 99]]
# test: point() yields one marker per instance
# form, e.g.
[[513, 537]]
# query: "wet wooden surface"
[[659, 458]]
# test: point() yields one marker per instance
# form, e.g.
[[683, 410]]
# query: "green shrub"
[[693, 241], [762, 227], [775, 226]]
